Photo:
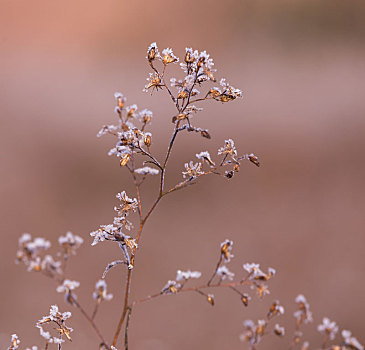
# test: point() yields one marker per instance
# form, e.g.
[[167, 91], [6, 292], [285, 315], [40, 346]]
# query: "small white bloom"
[[15, 341], [67, 286], [327, 327], [192, 170], [228, 148], [70, 241], [100, 291], [224, 273], [278, 330]]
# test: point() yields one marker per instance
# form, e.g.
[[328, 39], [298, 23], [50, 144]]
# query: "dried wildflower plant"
[[134, 152]]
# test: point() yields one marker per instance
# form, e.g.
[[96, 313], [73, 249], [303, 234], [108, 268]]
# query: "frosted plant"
[[133, 149]]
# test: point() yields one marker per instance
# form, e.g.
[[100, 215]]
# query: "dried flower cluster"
[[134, 152]]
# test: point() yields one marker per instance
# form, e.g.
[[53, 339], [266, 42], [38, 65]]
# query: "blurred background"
[[301, 67]]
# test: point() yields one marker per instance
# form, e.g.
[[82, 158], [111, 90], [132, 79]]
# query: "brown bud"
[[131, 113], [244, 299], [236, 167], [147, 140], [120, 102], [205, 133], [201, 61], [125, 159], [214, 93], [125, 127], [189, 58], [151, 54], [210, 299], [183, 94], [254, 159], [168, 59], [225, 98], [229, 174]]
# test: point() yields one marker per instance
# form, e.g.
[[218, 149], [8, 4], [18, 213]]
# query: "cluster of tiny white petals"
[[145, 113], [99, 236], [224, 273], [204, 156], [15, 341], [119, 150], [206, 61], [227, 87], [189, 81], [185, 275], [70, 240], [168, 52], [122, 196], [303, 314], [256, 273], [38, 243], [279, 330], [327, 327], [49, 264], [119, 95], [146, 171], [57, 317], [228, 148], [100, 292], [351, 341], [170, 286], [192, 170], [106, 129], [67, 286]]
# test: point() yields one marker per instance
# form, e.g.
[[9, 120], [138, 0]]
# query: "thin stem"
[[96, 309], [196, 289], [126, 329], [76, 303], [215, 271]]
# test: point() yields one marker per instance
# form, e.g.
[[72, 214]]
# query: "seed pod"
[[244, 299], [205, 133], [147, 140], [210, 299], [151, 54]]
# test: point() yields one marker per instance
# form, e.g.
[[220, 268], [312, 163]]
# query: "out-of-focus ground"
[[302, 69]]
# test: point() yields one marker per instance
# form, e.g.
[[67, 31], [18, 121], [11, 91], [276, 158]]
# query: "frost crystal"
[[146, 171]]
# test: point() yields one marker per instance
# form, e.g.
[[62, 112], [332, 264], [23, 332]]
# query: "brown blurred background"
[[301, 67]]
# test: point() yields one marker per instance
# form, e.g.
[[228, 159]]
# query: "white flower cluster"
[[303, 314], [224, 273], [59, 319], [192, 170], [255, 272], [328, 328], [70, 242]]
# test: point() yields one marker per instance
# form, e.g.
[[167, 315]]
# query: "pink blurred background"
[[302, 69]]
